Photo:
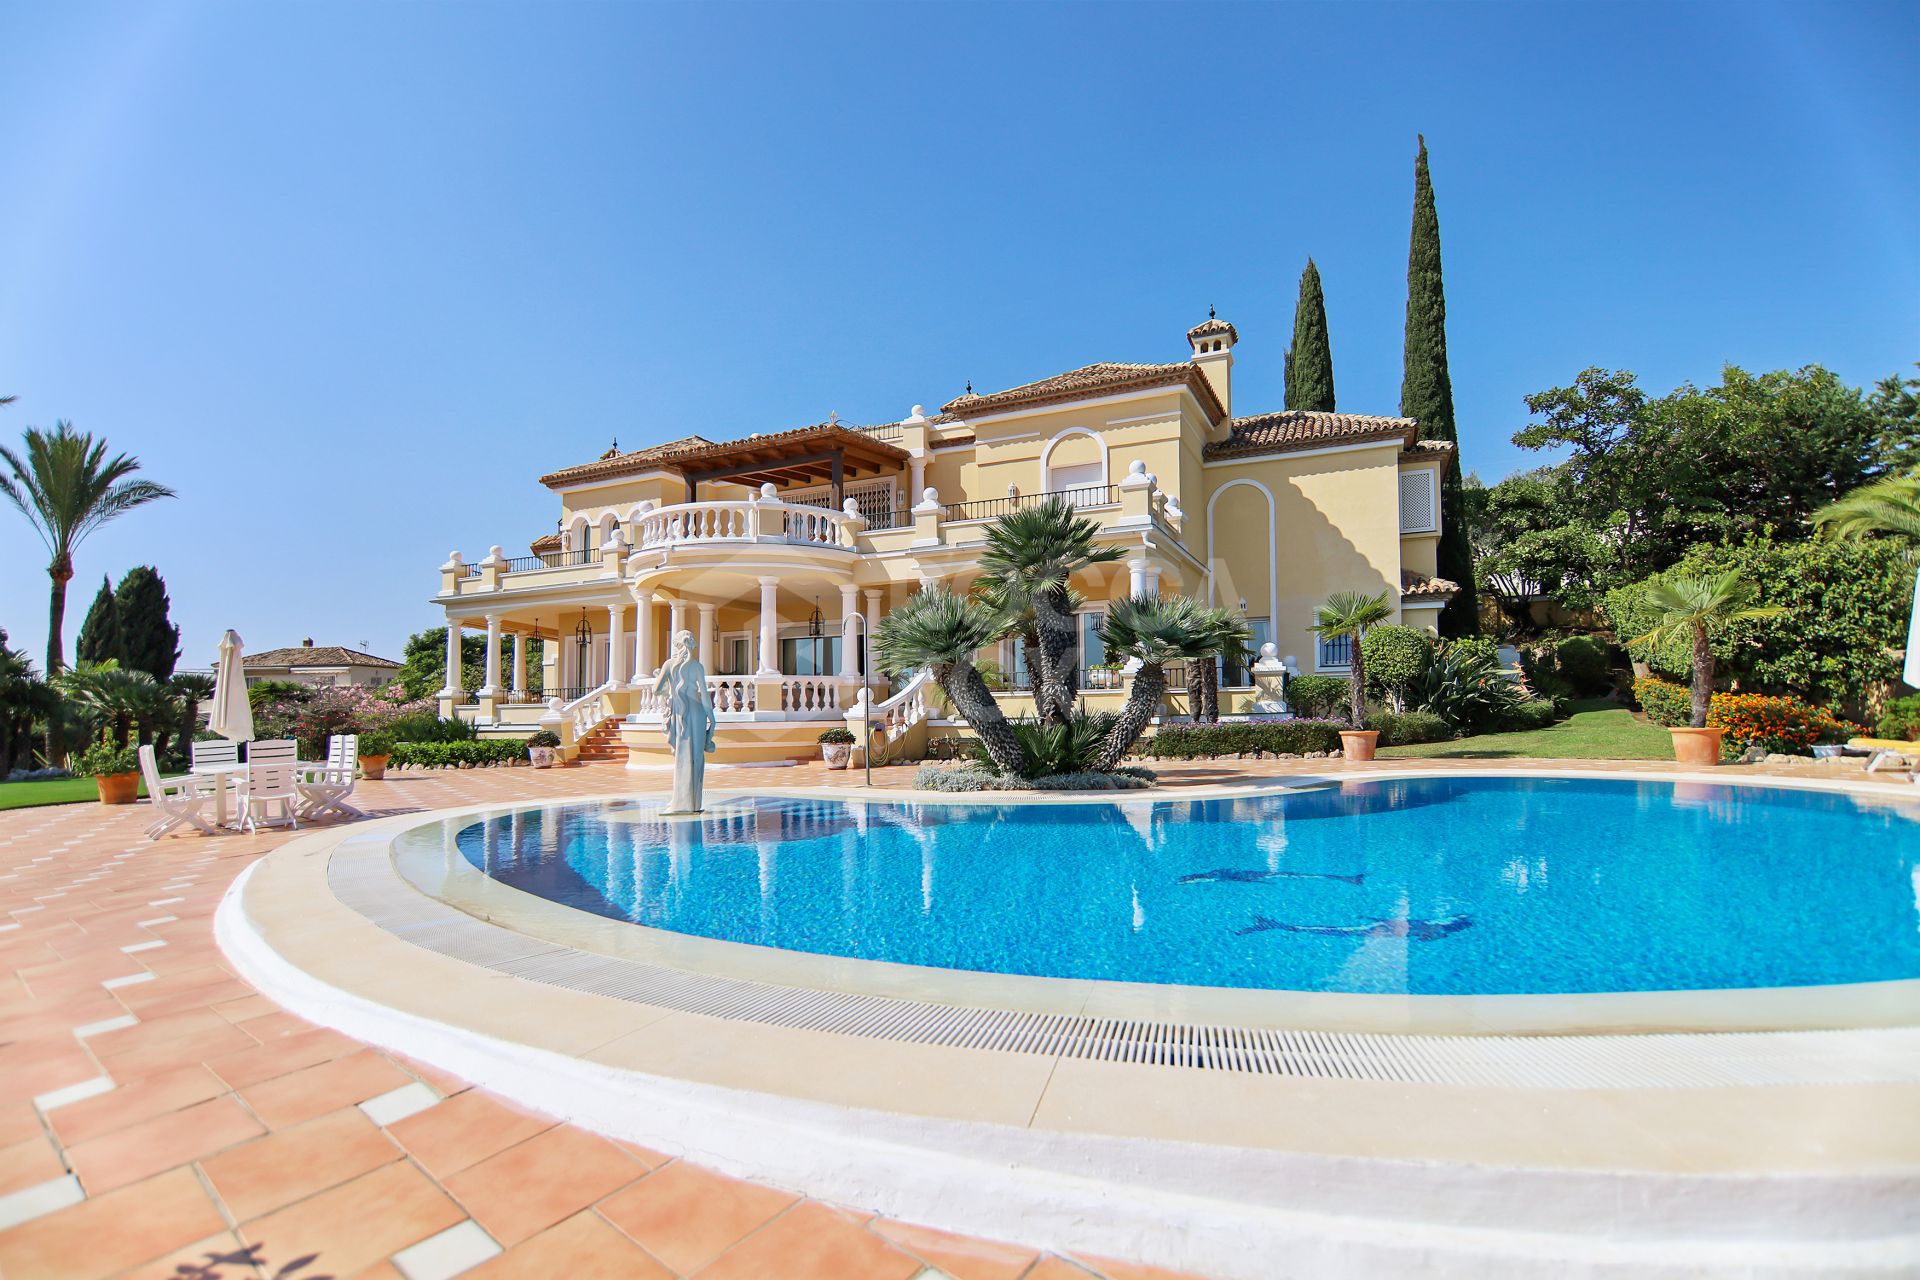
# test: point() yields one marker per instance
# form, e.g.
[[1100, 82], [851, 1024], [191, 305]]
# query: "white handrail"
[[737, 520], [903, 710], [588, 711]]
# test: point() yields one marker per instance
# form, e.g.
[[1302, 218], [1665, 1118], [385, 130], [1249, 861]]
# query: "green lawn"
[[28, 795], [1595, 731]]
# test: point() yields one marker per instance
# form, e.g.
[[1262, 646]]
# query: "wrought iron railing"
[[545, 560], [883, 431], [1092, 495]]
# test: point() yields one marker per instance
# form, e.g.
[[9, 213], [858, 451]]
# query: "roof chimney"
[[1212, 341], [307, 643]]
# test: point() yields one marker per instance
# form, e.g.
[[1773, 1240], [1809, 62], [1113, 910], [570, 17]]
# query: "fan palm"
[[1348, 613], [940, 632], [66, 486], [1693, 608], [24, 698], [1029, 561], [190, 689], [1151, 631], [1230, 640], [118, 698]]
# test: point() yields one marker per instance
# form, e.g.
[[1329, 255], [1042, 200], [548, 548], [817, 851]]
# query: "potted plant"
[[374, 750], [543, 748], [1349, 614], [836, 747], [115, 771], [1690, 609]]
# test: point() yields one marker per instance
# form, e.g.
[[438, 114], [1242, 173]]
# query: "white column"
[[706, 635], [564, 649], [769, 627], [519, 662], [917, 476], [849, 605], [676, 623], [1153, 579], [873, 624], [643, 637], [452, 688], [1137, 577], [491, 689], [616, 642]]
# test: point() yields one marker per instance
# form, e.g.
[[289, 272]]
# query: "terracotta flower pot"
[[117, 788], [836, 754], [374, 767], [1358, 744], [1697, 746]]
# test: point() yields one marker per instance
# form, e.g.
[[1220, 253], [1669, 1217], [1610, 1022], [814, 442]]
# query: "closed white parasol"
[[232, 714]]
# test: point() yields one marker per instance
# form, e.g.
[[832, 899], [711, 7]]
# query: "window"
[[810, 655], [736, 655], [1419, 513], [1335, 653], [1234, 675]]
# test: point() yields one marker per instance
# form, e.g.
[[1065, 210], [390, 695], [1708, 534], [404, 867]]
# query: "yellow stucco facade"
[[779, 552]]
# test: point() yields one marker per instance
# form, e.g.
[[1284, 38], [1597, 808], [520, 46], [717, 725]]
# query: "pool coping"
[[1168, 1164]]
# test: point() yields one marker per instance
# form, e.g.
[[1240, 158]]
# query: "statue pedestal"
[[1269, 680]]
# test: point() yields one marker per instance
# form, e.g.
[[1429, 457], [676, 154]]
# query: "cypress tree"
[[100, 632], [1310, 360], [149, 641], [1426, 393]]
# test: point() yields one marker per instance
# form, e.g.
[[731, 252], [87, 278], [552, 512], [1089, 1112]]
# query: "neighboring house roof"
[[613, 463], [546, 542], [1418, 586], [1093, 379], [311, 655], [1292, 429]]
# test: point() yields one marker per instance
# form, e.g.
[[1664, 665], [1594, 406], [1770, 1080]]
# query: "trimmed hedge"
[[1318, 697], [1399, 729], [1535, 713], [1274, 738], [445, 755]]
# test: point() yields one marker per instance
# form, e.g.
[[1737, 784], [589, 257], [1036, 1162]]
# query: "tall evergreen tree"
[[100, 632], [1310, 359], [149, 641], [1426, 393]]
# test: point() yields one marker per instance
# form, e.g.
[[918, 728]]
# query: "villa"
[[781, 552], [326, 664]]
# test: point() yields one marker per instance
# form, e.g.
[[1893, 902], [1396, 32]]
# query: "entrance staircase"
[[603, 745]]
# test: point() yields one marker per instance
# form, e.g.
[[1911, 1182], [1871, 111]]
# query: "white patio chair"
[[270, 783], [179, 801], [218, 751], [273, 751], [324, 788]]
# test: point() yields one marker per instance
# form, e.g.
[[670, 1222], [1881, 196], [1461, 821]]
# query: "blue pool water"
[[1448, 886]]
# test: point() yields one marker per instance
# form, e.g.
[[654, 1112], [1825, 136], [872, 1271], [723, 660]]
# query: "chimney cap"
[[307, 643], [1212, 327]]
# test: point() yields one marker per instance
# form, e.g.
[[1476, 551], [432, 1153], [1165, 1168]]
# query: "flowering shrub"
[[1749, 719], [1664, 701], [1777, 724], [331, 709]]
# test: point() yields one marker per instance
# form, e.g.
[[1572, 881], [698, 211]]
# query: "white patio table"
[[225, 775]]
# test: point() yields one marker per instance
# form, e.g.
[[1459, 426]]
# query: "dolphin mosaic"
[[1245, 875], [1415, 930]]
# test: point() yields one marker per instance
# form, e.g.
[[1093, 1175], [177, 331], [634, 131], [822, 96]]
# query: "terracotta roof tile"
[[617, 463], [1418, 586], [1077, 384], [1209, 327], [1292, 429], [322, 655]]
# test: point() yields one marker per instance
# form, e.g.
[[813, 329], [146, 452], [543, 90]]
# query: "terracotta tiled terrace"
[[160, 1118]]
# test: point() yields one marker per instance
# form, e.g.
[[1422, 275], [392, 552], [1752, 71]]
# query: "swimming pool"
[[1418, 886]]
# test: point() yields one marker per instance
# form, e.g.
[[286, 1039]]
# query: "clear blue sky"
[[350, 276]]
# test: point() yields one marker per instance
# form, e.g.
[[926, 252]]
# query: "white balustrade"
[[809, 693], [730, 693], [589, 710], [903, 710], [702, 522]]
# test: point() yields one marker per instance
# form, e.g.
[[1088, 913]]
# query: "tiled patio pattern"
[[160, 1118]]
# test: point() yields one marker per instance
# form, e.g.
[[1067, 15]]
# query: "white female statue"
[[681, 688]]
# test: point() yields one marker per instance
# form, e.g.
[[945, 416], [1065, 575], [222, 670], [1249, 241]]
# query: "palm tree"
[[1229, 639], [940, 632], [67, 487], [1030, 559], [1889, 505], [1349, 613], [1693, 608], [1152, 631], [24, 698], [120, 699]]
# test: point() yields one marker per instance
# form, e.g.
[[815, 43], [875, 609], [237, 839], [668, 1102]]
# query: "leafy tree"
[[1842, 618], [66, 486], [1349, 614], [149, 640], [1689, 609], [1309, 368], [1152, 630], [1029, 561], [100, 630], [423, 663], [1395, 657], [940, 632]]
